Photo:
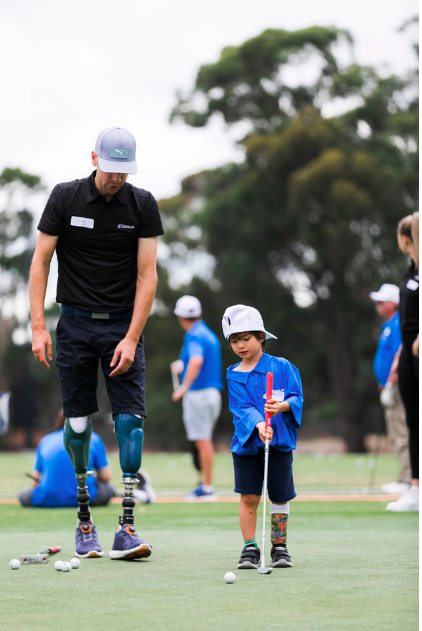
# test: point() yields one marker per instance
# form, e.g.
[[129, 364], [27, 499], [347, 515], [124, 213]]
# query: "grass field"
[[355, 566]]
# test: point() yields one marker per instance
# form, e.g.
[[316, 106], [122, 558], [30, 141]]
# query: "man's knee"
[[25, 497], [130, 437], [77, 438]]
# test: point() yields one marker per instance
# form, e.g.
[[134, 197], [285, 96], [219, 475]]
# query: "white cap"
[[387, 293], [240, 319], [188, 307]]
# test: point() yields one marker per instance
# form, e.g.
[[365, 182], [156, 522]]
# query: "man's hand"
[[178, 394], [415, 347], [264, 434], [42, 346], [124, 355]]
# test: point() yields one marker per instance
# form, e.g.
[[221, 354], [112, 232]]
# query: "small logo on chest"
[[125, 226]]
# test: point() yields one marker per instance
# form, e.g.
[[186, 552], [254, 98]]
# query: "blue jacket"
[[58, 486], [388, 345], [201, 341], [247, 392]]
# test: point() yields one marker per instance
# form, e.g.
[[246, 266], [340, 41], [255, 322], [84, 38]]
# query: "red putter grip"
[[268, 396]]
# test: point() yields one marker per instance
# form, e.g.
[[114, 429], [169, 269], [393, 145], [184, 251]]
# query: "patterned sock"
[[251, 542], [279, 529]]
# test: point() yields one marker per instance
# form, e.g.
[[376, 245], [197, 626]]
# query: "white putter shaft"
[[262, 569], [176, 368]]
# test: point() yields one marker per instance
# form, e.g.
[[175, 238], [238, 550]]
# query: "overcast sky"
[[69, 69]]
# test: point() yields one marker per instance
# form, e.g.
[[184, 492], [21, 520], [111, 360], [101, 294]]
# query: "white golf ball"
[[75, 563], [66, 566], [59, 566], [229, 577], [14, 564]]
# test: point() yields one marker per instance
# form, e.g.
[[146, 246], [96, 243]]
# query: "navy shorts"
[[81, 343], [249, 475]]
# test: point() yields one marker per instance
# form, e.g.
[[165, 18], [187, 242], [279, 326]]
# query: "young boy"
[[243, 327]]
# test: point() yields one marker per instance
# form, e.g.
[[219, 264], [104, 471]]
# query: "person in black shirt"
[[105, 233], [406, 365]]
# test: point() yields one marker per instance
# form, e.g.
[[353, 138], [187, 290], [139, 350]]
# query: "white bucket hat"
[[240, 318], [387, 293], [188, 307]]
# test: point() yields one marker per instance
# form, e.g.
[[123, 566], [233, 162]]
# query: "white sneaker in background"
[[395, 488], [409, 502]]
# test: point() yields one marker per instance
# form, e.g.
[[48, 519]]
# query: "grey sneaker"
[[249, 559], [280, 557]]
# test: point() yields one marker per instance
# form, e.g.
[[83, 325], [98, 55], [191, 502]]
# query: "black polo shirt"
[[409, 305], [98, 242]]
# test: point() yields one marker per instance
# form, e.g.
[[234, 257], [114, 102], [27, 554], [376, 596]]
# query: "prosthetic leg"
[[77, 438], [129, 430], [130, 436], [77, 446]]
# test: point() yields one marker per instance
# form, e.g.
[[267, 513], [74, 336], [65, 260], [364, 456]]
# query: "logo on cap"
[[119, 152]]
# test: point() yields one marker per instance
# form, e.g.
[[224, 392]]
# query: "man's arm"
[[104, 474], [192, 371], [38, 277], [146, 284], [36, 476]]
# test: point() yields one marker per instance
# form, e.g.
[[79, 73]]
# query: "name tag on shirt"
[[412, 284], [82, 222], [277, 394]]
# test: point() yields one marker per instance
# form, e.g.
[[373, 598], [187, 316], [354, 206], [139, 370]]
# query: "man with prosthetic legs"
[[105, 233]]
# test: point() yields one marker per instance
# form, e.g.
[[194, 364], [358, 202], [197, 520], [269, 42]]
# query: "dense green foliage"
[[304, 227]]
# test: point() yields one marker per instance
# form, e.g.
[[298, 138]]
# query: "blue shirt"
[[201, 341], [247, 396], [58, 486], [388, 345]]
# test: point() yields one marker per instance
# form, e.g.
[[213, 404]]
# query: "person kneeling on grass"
[[243, 327]]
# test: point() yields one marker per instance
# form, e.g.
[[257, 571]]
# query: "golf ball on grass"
[[75, 563], [229, 577], [59, 566], [66, 566], [14, 564]]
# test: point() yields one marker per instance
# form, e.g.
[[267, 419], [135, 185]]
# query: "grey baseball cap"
[[116, 151]]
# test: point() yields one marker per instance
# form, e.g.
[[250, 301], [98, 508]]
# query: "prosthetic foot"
[[130, 436]]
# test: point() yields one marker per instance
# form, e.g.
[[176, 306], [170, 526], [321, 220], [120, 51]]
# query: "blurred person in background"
[[406, 363], [201, 386], [54, 476], [386, 303]]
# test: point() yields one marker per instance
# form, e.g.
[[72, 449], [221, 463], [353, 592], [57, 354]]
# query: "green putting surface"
[[355, 566]]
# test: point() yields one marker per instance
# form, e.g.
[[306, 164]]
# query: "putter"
[[34, 558], [41, 557], [262, 569]]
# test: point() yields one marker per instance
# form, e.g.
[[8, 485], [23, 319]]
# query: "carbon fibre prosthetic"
[[77, 437], [129, 430]]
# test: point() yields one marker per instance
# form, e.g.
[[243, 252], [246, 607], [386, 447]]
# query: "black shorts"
[[249, 475], [80, 344]]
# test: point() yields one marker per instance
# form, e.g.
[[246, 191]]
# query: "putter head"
[[265, 570]]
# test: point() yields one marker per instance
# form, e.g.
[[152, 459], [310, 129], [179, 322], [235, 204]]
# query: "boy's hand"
[[273, 407], [262, 434]]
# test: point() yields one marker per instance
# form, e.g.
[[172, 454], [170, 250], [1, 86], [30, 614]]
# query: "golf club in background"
[[176, 368], [269, 394]]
